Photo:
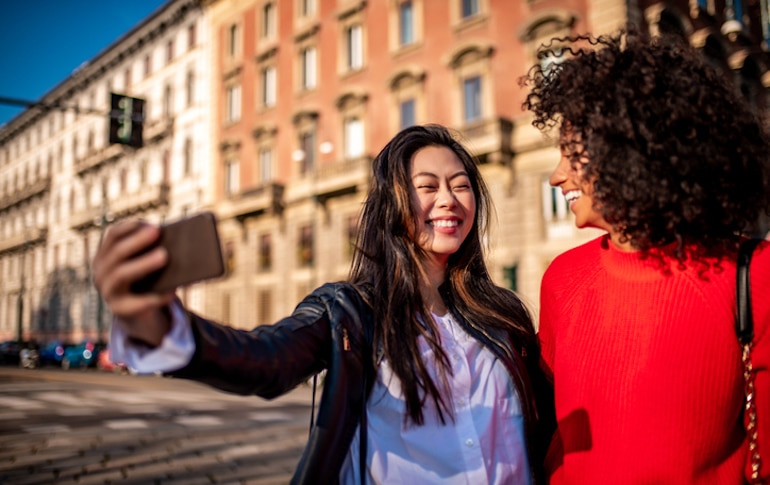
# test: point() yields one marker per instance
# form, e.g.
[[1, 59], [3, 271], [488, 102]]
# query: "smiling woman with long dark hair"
[[432, 371]]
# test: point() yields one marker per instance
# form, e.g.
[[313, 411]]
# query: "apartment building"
[[269, 113], [62, 182], [307, 92]]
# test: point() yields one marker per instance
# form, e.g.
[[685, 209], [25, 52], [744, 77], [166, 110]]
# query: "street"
[[92, 427]]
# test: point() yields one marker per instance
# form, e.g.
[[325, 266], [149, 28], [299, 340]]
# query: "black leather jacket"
[[325, 332]]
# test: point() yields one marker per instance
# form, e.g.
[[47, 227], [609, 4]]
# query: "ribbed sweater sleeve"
[[647, 368]]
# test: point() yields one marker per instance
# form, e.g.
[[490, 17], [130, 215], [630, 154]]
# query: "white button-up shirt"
[[482, 442]]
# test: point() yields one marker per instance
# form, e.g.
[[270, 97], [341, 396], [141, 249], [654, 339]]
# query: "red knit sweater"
[[647, 369]]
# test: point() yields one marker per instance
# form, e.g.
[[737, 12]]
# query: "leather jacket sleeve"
[[270, 359]]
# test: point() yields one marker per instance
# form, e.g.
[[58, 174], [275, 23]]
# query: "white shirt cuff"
[[173, 353]]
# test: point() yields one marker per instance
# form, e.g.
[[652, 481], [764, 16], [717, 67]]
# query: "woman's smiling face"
[[568, 176], [443, 201]]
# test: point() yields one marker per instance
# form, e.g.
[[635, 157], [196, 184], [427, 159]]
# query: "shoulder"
[[575, 260], [339, 296]]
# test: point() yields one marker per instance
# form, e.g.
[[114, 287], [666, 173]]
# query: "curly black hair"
[[676, 155]]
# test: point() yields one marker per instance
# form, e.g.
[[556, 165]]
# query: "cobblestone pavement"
[[97, 428]]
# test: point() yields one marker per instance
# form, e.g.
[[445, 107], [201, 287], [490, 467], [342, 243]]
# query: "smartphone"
[[194, 254]]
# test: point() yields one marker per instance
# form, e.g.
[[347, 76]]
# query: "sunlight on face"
[[443, 201]]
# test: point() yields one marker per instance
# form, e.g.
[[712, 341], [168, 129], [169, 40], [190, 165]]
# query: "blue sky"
[[43, 41]]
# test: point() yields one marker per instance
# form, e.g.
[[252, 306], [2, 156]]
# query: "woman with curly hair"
[[432, 370], [637, 326]]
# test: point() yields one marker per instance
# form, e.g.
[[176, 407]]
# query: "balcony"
[[27, 238], [86, 218], [36, 188], [158, 129], [96, 158], [146, 198], [344, 177], [265, 199], [490, 140]]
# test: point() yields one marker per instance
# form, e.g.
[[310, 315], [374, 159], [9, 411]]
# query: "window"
[[167, 101], [169, 51], [308, 60], [406, 111], [190, 87], [232, 177], [472, 99], [355, 51], [265, 165], [306, 8], [229, 257], [232, 40], [405, 23], [191, 36], [354, 138], [469, 8], [269, 21], [269, 86], [305, 246], [265, 261], [188, 156], [307, 142], [166, 166], [265, 309], [126, 79], [555, 207], [352, 235], [147, 65], [233, 112]]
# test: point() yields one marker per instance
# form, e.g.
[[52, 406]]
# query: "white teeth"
[[572, 195], [444, 223]]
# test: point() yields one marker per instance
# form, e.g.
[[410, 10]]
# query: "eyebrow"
[[433, 175]]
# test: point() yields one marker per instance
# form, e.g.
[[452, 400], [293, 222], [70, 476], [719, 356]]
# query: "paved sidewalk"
[[204, 437]]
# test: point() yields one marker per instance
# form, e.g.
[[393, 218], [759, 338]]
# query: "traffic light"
[[126, 118]]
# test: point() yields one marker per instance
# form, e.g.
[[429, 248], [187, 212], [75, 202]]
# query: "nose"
[[561, 172], [445, 198]]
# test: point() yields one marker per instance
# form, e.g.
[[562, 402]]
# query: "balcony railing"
[[97, 158], [31, 236], [266, 198], [158, 129], [490, 139], [37, 187], [83, 219], [147, 197], [343, 177]]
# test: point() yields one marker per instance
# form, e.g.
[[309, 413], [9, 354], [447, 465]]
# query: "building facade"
[[291, 101], [62, 182]]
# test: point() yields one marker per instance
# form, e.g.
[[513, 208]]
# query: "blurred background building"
[[269, 112]]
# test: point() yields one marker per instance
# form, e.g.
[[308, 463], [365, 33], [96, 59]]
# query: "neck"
[[620, 243], [432, 279]]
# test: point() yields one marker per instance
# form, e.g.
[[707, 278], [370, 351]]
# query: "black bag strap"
[[744, 323], [366, 357]]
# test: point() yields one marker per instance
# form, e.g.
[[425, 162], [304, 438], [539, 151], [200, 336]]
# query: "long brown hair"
[[387, 261]]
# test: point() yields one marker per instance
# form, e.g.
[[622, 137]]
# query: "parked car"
[[105, 363], [51, 353], [9, 352], [80, 355]]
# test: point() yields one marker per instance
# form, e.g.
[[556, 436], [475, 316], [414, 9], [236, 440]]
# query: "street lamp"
[[103, 220], [22, 284]]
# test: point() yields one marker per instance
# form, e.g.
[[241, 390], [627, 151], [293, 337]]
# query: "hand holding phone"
[[194, 254]]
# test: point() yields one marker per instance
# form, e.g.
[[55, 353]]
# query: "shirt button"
[[461, 403], [469, 442]]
